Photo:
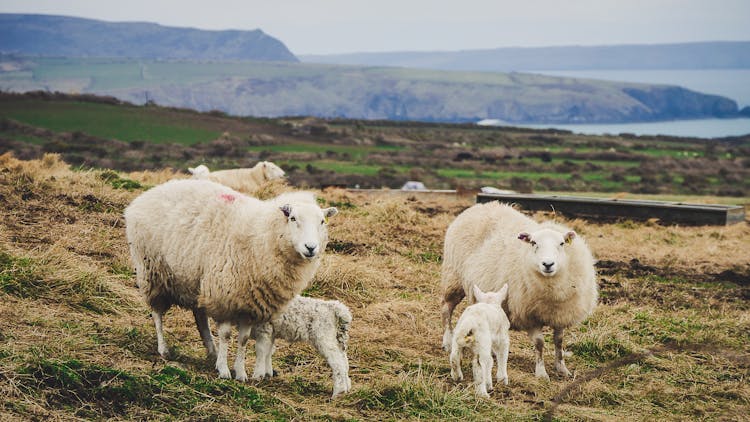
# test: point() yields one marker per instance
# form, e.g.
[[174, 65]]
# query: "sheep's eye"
[[533, 243], [322, 222], [292, 219], [562, 243]]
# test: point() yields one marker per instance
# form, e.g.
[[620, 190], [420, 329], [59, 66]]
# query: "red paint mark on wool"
[[228, 198]]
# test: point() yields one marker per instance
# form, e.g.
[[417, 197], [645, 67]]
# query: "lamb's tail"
[[465, 340], [343, 322]]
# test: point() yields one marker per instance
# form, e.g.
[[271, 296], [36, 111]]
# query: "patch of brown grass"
[[669, 339]]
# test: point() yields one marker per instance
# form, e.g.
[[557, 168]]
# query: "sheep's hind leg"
[[537, 337], [502, 347], [160, 342], [225, 333], [243, 335], [201, 321], [560, 353], [451, 299]]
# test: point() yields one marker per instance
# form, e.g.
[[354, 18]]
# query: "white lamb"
[[550, 271], [245, 180], [322, 323], [203, 246], [483, 329]]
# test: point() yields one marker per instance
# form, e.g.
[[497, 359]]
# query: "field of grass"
[[668, 340]]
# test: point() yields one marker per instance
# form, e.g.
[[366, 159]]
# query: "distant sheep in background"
[[549, 269], [322, 323], [245, 180], [483, 329], [240, 260]]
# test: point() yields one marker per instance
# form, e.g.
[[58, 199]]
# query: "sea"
[[730, 83]]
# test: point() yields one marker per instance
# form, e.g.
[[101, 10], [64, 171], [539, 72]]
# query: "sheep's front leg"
[[161, 344], [201, 321], [537, 337], [243, 335], [263, 350], [560, 353], [225, 333]]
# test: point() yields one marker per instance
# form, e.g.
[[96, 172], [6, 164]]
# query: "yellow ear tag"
[[325, 218]]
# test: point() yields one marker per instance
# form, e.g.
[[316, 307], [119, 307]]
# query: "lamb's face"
[[272, 171], [548, 250], [307, 228]]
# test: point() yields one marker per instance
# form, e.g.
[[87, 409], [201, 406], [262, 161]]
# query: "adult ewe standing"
[[244, 180], [202, 246], [549, 270]]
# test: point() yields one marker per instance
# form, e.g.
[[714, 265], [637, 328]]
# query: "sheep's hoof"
[[224, 374], [242, 377], [563, 370], [541, 373], [503, 380]]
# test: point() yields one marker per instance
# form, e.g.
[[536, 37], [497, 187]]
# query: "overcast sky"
[[343, 26]]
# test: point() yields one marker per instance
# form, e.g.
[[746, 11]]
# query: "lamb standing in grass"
[[322, 323], [203, 246], [549, 269], [482, 328], [244, 180]]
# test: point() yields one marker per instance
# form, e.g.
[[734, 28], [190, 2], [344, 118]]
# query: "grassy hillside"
[[668, 340], [270, 89], [101, 132]]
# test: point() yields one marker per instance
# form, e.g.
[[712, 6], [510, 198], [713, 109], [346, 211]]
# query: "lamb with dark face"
[[548, 268]]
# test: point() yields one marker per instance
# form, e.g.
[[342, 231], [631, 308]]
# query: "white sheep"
[[483, 329], [245, 180], [203, 246], [550, 271], [322, 323]]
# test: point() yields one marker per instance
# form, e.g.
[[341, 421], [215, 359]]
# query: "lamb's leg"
[[201, 321], [559, 352], [451, 299], [161, 344], [502, 347], [537, 337], [263, 350], [225, 333], [339, 364], [455, 360], [478, 369]]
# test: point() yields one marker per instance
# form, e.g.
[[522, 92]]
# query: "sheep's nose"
[[310, 248], [548, 265]]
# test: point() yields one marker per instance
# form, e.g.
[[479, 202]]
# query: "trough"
[[630, 209]]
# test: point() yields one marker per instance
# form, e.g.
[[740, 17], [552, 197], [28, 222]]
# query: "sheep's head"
[[495, 298], [307, 227], [200, 172], [271, 171], [548, 248]]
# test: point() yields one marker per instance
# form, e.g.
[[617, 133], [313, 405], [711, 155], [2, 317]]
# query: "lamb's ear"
[[286, 209], [569, 236], [330, 212], [503, 293], [525, 237], [478, 293]]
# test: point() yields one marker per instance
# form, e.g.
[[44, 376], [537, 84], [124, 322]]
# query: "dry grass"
[[668, 341]]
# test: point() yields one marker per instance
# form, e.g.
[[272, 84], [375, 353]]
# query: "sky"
[[346, 26]]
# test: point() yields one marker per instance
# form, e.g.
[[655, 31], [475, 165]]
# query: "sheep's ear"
[[286, 209], [191, 170], [330, 212], [569, 236], [525, 237]]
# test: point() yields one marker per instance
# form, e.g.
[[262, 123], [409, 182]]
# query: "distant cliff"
[[59, 36], [698, 55]]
